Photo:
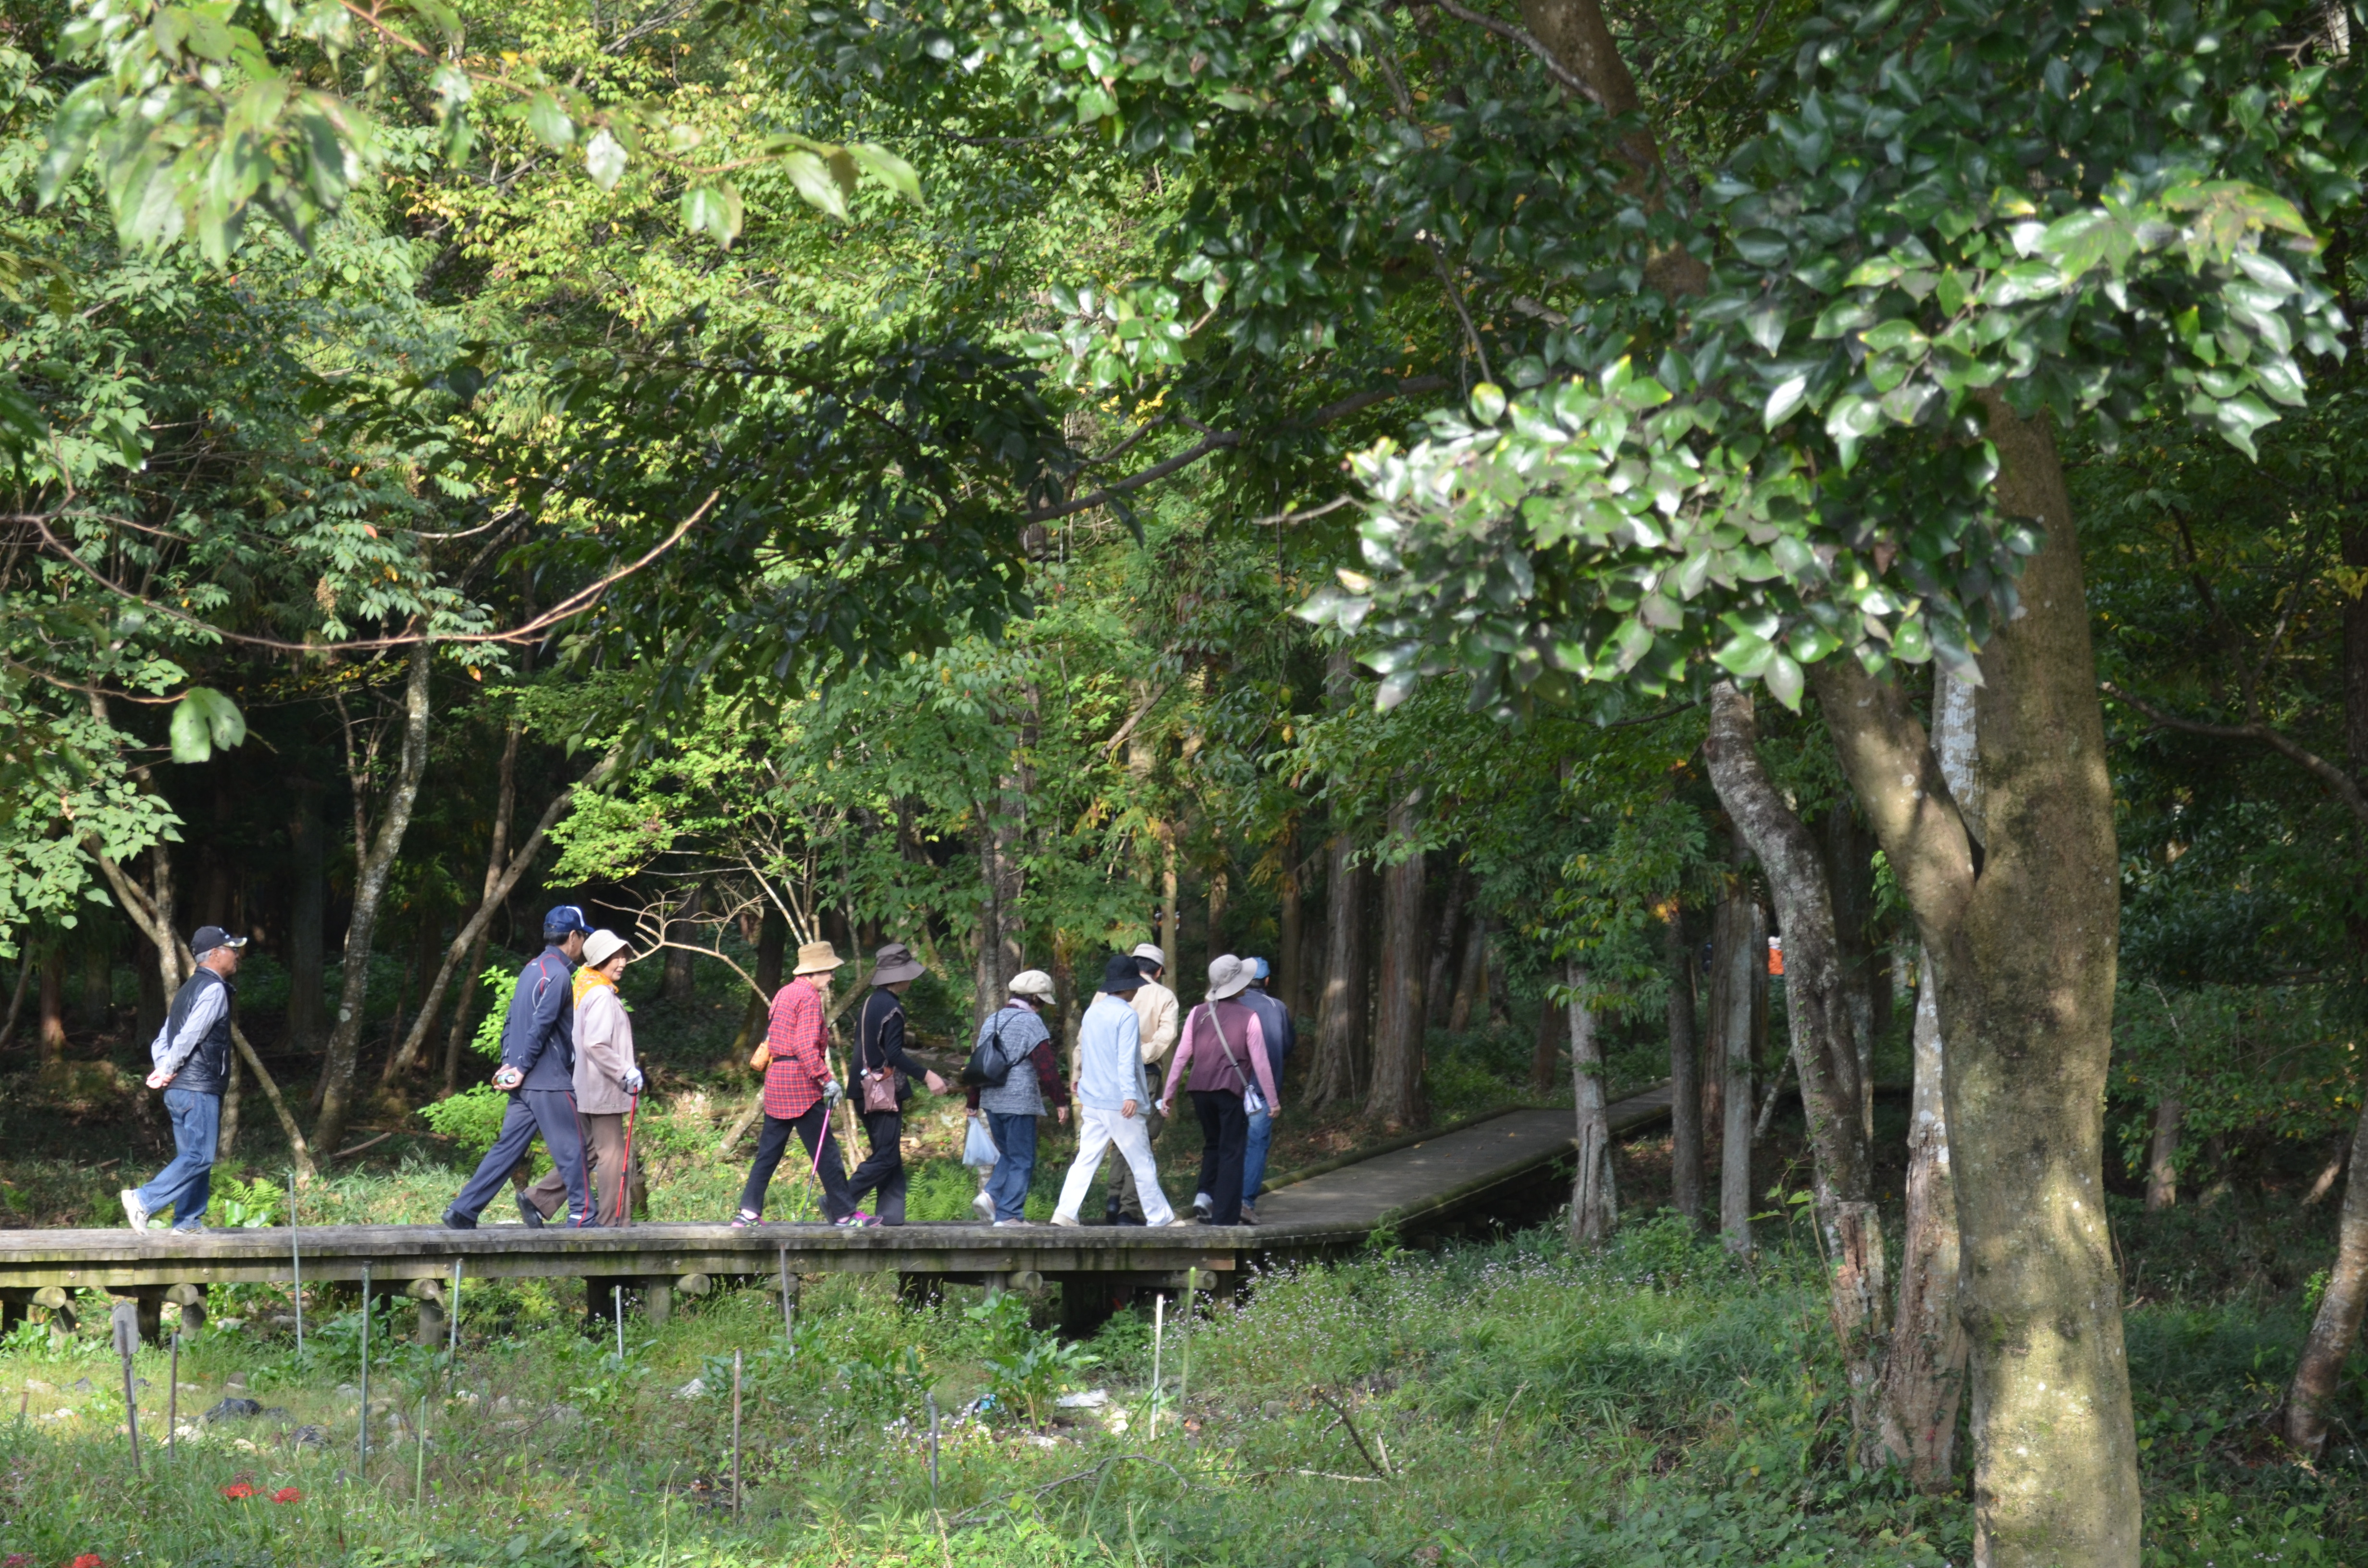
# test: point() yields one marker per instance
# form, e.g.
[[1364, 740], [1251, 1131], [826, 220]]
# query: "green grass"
[[1508, 1404]]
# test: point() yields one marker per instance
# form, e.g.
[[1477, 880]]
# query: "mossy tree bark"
[[1685, 1070], [1397, 1099], [2024, 954]]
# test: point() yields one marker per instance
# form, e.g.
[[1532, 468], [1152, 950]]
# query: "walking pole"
[[296, 1262], [362, 1463], [419, 1474], [125, 1325], [617, 1310], [625, 1172]]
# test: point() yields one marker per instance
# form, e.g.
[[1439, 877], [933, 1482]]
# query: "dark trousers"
[[551, 1113], [1225, 1138], [1122, 1179], [884, 1168], [813, 1126]]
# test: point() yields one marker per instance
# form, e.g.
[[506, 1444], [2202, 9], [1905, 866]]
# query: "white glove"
[[633, 1080], [831, 1093]]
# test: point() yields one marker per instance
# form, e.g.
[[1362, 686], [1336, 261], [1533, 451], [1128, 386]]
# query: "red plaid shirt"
[[793, 1083]]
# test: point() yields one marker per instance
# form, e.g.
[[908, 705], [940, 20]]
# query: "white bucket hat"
[[1151, 954], [1033, 983], [1228, 976], [601, 946]]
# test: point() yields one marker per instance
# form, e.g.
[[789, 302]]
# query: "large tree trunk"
[[1594, 1202], [1447, 948], [1825, 1051], [2024, 956], [1472, 978], [1340, 1017], [1002, 948], [1397, 1099], [50, 1038], [1685, 1070], [343, 1056], [1292, 922], [1739, 941], [1849, 852], [307, 913], [25, 967], [2162, 1155]]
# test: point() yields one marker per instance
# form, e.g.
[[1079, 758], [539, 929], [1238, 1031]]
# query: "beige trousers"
[[604, 1156]]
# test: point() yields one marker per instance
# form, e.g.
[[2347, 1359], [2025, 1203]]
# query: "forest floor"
[[1491, 1400]]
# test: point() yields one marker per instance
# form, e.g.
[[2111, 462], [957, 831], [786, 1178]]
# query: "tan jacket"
[[1154, 1005], [604, 1052]]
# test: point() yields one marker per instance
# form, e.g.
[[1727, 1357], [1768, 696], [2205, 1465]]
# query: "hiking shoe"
[[1172, 1220], [132, 1210], [1066, 1221], [859, 1220], [1201, 1207], [529, 1212], [1111, 1215], [1249, 1215], [456, 1221], [741, 1221], [982, 1206]]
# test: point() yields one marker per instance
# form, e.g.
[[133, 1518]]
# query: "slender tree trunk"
[[1471, 979], [2023, 957], [1340, 1019], [1685, 1070], [1594, 1202], [1397, 1099], [1447, 936], [232, 1095], [25, 967], [343, 1055], [51, 1038], [681, 981], [1545, 1047], [1741, 940], [1825, 1058], [307, 913], [1849, 852], [1291, 927], [1002, 834], [1925, 1377], [2336, 1329], [2162, 1156]]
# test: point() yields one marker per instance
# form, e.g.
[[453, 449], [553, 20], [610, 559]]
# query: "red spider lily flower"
[[288, 1494], [238, 1491], [90, 1559], [18, 1560]]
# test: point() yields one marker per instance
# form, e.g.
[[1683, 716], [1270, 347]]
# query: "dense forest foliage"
[[1502, 510]]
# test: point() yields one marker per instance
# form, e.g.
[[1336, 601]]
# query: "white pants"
[[1097, 1130]]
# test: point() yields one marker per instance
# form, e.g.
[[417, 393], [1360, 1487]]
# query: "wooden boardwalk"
[[1422, 1183]]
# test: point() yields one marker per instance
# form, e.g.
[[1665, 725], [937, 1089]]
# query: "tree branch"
[[1528, 41], [2342, 784]]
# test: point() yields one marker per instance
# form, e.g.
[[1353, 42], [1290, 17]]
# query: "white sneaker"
[[1017, 1224], [131, 1209], [1175, 1220], [982, 1206], [1068, 1221]]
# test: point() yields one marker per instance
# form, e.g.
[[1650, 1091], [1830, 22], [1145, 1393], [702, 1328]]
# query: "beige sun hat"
[[817, 958], [1228, 976], [1149, 953], [1033, 983], [601, 946]]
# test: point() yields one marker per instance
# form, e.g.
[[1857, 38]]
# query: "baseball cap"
[[563, 922], [1258, 970], [208, 937]]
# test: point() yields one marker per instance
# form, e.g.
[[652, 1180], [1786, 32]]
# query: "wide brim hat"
[[894, 962], [1033, 983], [1123, 973], [1228, 976], [817, 958], [601, 946]]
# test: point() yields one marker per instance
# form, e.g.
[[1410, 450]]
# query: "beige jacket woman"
[[604, 1052]]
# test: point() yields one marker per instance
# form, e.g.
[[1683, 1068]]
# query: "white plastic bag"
[[979, 1152]]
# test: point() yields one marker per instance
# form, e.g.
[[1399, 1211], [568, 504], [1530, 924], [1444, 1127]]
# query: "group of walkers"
[[568, 1067]]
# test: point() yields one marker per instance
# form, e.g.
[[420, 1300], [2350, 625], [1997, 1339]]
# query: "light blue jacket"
[[1109, 1045]]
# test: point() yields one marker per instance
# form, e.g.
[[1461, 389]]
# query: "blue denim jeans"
[[186, 1184], [1015, 1166], [1254, 1155]]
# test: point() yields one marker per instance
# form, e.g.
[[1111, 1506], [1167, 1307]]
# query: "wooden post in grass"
[[1159, 1337], [172, 1398], [735, 1433], [362, 1446], [296, 1263], [125, 1323], [788, 1300], [452, 1352]]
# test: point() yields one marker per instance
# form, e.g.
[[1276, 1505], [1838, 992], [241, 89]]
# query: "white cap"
[[1152, 953], [1033, 983]]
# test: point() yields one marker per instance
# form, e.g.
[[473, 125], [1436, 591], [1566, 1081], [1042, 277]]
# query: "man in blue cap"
[[1274, 1020], [538, 1071]]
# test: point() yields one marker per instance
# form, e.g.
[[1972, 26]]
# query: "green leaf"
[[812, 178], [714, 208], [888, 169], [1787, 397], [202, 721], [549, 121]]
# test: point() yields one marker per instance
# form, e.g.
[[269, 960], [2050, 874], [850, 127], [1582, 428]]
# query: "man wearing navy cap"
[[192, 1067], [538, 1071]]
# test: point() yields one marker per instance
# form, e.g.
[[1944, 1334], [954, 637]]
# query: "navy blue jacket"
[[1274, 1018], [539, 1036]]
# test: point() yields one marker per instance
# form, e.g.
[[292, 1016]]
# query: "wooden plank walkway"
[[1433, 1181]]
